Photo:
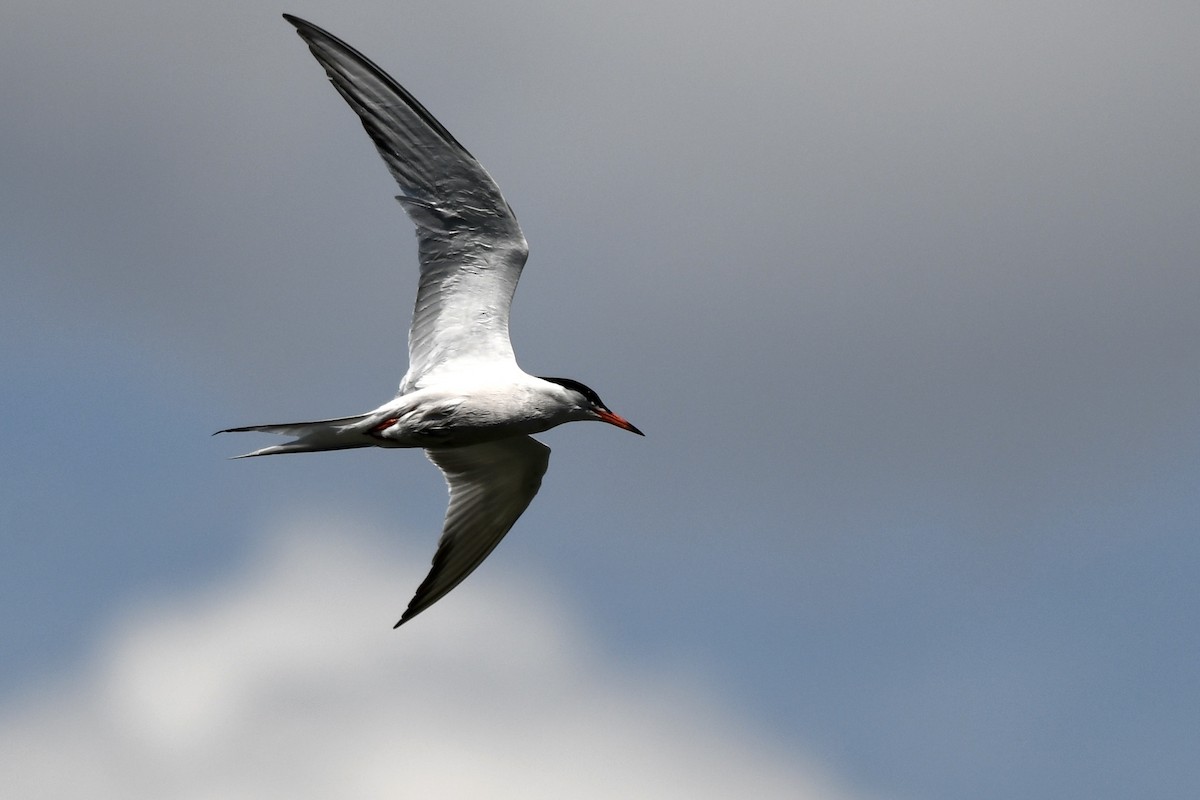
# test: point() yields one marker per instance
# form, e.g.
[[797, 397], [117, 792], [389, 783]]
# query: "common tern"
[[463, 400]]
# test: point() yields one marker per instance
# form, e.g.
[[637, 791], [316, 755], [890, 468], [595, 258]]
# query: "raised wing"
[[491, 485], [471, 248]]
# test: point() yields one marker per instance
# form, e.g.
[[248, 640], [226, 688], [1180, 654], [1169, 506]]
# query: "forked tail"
[[326, 434]]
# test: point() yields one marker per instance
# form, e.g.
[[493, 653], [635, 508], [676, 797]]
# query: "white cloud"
[[285, 681]]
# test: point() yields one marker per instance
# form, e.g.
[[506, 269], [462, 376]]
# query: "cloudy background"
[[903, 294]]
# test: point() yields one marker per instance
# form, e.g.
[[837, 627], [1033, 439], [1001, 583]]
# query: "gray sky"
[[903, 295]]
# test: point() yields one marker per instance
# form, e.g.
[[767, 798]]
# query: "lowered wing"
[[491, 485]]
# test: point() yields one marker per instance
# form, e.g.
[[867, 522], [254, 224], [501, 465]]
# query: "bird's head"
[[590, 405]]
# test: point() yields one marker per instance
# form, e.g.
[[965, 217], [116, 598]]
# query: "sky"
[[903, 295]]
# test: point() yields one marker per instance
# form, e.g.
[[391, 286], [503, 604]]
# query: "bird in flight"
[[463, 400]]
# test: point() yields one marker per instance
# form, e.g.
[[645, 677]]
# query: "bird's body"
[[472, 410], [463, 400]]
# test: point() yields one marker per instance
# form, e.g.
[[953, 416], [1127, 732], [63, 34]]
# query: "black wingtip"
[[302, 26], [246, 429], [405, 617], [409, 613]]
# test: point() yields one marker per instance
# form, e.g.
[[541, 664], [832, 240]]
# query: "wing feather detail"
[[470, 246], [491, 485]]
